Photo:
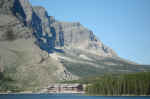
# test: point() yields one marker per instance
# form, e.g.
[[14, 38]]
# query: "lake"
[[65, 96]]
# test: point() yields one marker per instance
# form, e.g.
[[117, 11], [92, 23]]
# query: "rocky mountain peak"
[[45, 21], [75, 35], [50, 33], [40, 11], [36, 49]]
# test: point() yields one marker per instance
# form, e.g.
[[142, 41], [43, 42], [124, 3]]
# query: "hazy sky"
[[123, 25]]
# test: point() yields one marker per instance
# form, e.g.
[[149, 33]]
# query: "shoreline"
[[84, 94]]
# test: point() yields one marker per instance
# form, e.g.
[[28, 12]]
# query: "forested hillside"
[[126, 84]]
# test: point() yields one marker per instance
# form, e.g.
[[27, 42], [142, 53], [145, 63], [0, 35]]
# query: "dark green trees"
[[128, 84]]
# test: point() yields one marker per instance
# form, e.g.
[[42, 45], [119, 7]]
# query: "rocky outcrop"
[[45, 21], [26, 10], [11, 27], [25, 39], [36, 49], [6, 6], [46, 37], [50, 33], [19, 19], [74, 35]]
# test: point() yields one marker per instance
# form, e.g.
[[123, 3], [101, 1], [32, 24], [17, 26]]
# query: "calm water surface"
[[65, 96]]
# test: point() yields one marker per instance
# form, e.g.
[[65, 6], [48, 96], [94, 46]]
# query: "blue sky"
[[123, 25]]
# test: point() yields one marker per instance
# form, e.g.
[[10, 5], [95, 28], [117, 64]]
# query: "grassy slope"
[[99, 66], [21, 64]]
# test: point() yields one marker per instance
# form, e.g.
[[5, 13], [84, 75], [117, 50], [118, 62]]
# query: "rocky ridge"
[[36, 49], [50, 33], [24, 51]]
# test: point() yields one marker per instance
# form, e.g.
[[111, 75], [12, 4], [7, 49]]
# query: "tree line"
[[125, 84]]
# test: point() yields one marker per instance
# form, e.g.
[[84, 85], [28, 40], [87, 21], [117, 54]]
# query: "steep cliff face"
[[53, 33], [21, 15], [23, 11], [11, 27], [48, 32], [36, 49], [24, 46], [74, 35], [45, 38], [43, 15]]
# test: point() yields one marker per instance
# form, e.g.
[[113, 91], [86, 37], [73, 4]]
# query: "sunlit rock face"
[[46, 38], [12, 21], [36, 49], [75, 35], [45, 21], [50, 33], [25, 43]]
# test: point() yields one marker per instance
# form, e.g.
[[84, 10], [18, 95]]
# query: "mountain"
[[36, 49]]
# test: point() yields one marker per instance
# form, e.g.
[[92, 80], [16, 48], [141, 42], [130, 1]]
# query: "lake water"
[[65, 96]]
